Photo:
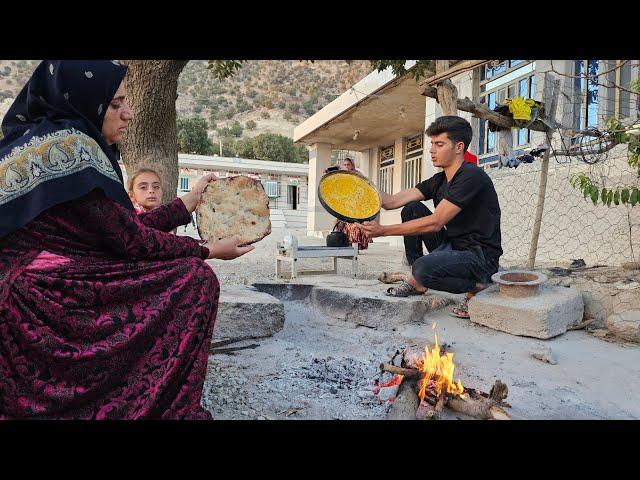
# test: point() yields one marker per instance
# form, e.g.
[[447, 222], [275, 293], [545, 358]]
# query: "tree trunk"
[[151, 139], [446, 91]]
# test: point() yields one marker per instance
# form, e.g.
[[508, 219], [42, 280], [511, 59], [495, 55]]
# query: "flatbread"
[[234, 206]]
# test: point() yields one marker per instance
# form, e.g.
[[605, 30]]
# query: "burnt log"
[[407, 401]]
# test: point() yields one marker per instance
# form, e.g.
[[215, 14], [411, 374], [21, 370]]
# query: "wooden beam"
[[482, 111], [460, 67]]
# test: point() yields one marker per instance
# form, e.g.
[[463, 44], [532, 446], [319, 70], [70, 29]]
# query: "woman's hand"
[[194, 197], [227, 248]]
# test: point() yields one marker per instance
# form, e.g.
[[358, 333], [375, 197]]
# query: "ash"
[[315, 368]]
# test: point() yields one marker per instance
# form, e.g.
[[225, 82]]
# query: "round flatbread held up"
[[234, 206]]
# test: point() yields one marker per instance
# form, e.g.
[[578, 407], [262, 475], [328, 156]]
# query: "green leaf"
[[616, 197], [624, 197], [603, 195], [635, 196], [594, 194], [609, 197]]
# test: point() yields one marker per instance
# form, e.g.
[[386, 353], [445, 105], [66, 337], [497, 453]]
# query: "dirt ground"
[[318, 367]]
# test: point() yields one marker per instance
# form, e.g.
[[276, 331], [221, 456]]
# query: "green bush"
[[294, 108], [192, 136], [236, 129]]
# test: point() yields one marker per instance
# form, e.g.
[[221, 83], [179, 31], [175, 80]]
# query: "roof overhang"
[[374, 112]]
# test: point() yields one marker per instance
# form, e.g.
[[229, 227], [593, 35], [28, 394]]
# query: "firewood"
[[405, 372], [582, 325], [213, 351], [407, 402], [393, 277], [477, 408], [475, 404], [498, 392], [228, 341]]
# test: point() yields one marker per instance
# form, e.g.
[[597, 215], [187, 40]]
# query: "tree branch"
[[593, 77]]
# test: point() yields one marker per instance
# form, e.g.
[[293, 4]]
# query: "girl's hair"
[[131, 181]]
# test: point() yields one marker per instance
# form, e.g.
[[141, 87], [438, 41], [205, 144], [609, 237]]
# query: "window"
[[184, 184], [385, 174], [412, 165], [509, 79], [272, 189], [618, 102], [585, 113]]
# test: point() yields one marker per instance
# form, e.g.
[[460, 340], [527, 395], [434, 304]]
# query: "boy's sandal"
[[402, 290], [462, 310]]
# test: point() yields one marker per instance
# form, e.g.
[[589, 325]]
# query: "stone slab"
[[374, 309], [545, 315], [625, 325], [284, 291], [246, 312]]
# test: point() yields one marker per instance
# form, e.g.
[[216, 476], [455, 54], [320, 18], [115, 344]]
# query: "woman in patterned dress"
[[103, 313]]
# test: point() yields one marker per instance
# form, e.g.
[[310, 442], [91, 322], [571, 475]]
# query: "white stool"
[[296, 253]]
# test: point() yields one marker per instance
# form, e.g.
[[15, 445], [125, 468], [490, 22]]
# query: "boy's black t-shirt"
[[478, 223]]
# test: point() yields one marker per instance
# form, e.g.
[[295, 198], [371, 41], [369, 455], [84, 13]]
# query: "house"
[[383, 117], [285, 183]]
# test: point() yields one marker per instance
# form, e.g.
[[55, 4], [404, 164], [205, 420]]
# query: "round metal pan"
[[338, 215]]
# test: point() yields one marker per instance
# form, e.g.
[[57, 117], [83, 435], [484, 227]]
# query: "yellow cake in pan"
[[349, 195]]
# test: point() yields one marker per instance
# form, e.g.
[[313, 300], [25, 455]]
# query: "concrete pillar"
[[318, 220], [374, 164], [365, 166], [398, 156]]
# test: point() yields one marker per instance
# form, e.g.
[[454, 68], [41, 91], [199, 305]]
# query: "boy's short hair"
[[138, 172], [456, 128]]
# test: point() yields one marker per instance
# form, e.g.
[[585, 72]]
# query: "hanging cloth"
[[520, 108]]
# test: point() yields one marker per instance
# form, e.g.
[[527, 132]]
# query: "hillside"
[[274, 94]]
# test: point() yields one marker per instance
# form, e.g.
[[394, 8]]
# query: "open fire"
[[438, 373], [428, 380]]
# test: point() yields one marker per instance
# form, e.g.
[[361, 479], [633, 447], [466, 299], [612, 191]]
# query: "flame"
[[396, 380], [434, 325], [438, 372]]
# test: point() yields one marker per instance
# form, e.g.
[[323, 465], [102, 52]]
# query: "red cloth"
[[354, 233], [470, 157], [118, 330]]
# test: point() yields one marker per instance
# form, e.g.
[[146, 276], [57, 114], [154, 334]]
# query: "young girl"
[[145, 190]]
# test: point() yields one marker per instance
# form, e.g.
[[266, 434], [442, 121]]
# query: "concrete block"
[[545, 315], [245, 312]]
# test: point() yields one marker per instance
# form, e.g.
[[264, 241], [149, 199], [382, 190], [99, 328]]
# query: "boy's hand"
[[372, 229]]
